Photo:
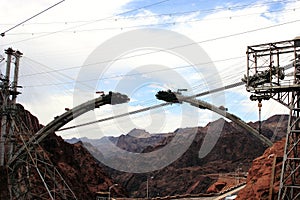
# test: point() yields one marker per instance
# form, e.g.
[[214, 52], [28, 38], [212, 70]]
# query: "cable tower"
[[273, 71], [31, 175]]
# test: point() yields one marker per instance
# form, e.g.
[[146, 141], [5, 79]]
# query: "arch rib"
[[175, 97], [60, 121]]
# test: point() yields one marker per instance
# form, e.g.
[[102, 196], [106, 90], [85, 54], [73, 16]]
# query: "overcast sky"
[[58, 43]]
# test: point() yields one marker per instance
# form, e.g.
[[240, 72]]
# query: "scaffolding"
[[273, 71]]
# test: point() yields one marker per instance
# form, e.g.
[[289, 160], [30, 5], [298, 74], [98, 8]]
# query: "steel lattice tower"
[[31, 175], [273, 71]]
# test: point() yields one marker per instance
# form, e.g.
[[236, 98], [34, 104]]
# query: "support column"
[[5, 99], [18, 55]]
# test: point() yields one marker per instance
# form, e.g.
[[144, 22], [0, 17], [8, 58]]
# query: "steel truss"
[[31, 175], [273, 71]]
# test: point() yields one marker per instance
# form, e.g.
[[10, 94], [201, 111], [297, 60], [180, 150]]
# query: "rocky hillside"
[[274, 127], [77, 166], [235, 149], [260, 173]]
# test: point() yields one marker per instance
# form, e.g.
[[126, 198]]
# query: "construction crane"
[[270, 75]]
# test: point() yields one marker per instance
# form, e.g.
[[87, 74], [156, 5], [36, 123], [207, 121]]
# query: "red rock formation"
[[225, 182], [216, 187], [33, 126], [259, 175], [78, 167]]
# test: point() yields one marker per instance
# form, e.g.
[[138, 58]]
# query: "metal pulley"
[[259, 105]]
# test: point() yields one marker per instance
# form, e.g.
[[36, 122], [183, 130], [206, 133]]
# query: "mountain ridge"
[[234, 147]]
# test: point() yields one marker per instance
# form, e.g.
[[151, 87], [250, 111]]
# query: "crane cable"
[[3, 33], [122, 13]]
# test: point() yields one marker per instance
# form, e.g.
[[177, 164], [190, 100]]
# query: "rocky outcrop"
[[138, 142], [27, 121], [77, 166], [274, 127], [260, 173], [216, 187]]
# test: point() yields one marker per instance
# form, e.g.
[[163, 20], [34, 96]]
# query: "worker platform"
[[273, 69]]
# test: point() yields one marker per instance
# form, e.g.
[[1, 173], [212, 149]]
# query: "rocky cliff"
[[260, 174], [264, 175], [77, 166]]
